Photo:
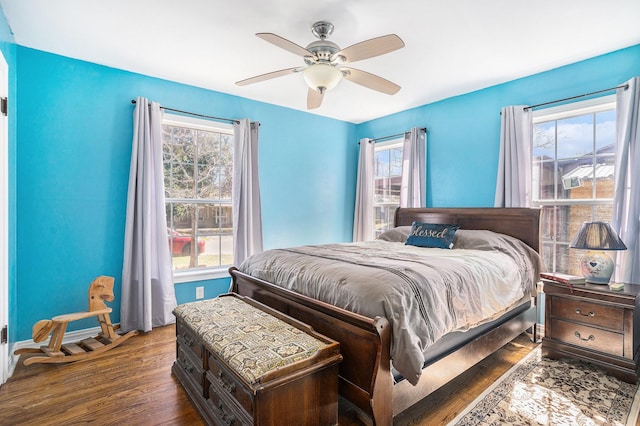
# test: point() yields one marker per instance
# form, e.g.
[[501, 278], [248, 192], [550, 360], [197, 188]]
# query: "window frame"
[[200, 273], [557, 113]]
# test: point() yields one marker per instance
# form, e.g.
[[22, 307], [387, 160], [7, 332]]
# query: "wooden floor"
[[132, 384]]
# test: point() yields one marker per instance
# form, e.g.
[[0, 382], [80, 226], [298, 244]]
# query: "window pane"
[[387, 191], [544, 140], [553, 223], [182, 172], [543, 180], [210, 225], [575, 137], [382, 161], [215, 229], [555, 237], [547, 250], [214, 183], [605, 175], [182, 234], [384, 218], [605, 130], [395, 159], [563, 259], [208, 148]]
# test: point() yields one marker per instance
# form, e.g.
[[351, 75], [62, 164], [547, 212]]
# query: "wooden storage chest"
[[242, 363]]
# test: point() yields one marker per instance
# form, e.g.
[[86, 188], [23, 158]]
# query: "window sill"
[[200, 275]]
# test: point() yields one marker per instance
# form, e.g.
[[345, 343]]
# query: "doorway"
[[4, 223]]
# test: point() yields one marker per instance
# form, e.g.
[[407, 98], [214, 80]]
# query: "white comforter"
[[423, 292]]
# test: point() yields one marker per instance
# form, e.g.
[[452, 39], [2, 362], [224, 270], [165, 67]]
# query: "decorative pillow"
[[399, 234], [432, 235]]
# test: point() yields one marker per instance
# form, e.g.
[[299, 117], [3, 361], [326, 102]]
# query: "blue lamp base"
[[597, 267]]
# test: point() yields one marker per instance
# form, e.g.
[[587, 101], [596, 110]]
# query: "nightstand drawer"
[[610, 317], [588, 337]]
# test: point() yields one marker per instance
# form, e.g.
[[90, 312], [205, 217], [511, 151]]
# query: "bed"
[[368, 377]]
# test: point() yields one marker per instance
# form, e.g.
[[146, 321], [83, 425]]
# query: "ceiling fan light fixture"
[[323, 76], [324, 62]]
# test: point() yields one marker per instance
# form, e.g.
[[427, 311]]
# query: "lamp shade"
[[597, 236], [322, 77]]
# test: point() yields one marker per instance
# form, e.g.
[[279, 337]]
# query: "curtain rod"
[[424, 129], [228, 120], [625, 86]]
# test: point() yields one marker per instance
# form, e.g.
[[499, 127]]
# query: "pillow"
[[432, 235], [477, 239], [399, 234]]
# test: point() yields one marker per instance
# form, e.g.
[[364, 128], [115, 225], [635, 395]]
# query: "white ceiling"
[[452, 47]]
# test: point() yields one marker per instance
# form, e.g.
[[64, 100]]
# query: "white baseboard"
[[69, 336]]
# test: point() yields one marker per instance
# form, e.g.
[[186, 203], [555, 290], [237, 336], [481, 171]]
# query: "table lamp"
[[596, 237]]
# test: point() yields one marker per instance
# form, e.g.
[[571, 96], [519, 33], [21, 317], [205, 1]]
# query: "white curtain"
[[247, 216], [363, 216], [148, 296], [414, 169], [513, 187], [626, 201]]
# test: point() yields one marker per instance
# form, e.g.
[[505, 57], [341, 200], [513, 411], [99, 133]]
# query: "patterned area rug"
[[541, 391]]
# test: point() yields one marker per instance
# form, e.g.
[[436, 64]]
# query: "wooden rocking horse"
[[100, 290]]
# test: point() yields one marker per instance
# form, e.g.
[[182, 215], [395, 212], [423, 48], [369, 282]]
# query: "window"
[[573, 165], [388, 181], [197, 157]]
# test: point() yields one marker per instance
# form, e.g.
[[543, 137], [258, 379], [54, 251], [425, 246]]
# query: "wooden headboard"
[[521, 223]]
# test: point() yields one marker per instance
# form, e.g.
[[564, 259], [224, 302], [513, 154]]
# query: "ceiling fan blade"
[[370, 81], [267, 76], [285, 44], [314, 98], [368, 49]]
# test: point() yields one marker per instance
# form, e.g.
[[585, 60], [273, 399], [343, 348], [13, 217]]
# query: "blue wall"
[[464, 131], [75, 132]]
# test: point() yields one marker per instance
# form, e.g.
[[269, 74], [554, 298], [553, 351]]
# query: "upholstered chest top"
[[250, 341]]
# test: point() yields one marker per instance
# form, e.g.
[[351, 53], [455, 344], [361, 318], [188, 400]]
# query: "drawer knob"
[[186, 365], [591, 337], [590, 314], [187, 340], [228, 386], [227, 418]]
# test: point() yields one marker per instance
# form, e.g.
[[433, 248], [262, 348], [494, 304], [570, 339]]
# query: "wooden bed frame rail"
[[365, 372]]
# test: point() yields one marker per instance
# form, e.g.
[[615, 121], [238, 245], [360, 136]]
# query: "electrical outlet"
[[199, 292]]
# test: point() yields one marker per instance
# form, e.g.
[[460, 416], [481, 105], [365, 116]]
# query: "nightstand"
[[594, 324]]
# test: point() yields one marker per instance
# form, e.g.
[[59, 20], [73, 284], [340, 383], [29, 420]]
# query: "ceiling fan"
[[324, 62]]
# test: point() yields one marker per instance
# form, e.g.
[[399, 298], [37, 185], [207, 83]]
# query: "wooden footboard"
[[365, 377]]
